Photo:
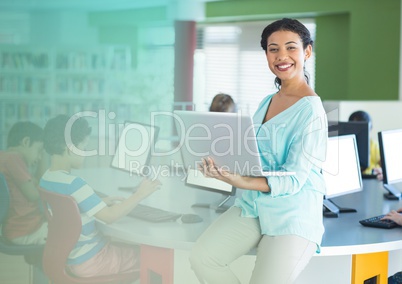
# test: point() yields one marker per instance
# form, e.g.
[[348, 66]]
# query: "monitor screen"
[[133, 151], [341, 169], [361, 130], [390, 142]]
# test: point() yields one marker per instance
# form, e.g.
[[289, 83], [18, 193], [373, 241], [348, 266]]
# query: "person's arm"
[[112, 200], [30, 190], [305, 153], [21, 177], [209, 169], [394, 215], [112, 213], [41, 167], [378, 173]]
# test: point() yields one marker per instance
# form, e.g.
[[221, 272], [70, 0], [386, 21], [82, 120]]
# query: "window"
[[229, 59]]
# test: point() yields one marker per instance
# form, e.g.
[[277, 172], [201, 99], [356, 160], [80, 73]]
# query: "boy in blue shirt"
[[93, 254]]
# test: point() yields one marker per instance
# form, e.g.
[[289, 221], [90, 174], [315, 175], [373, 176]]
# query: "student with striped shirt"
[[93, 254]]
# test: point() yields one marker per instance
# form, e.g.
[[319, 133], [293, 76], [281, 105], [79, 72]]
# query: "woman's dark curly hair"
[[291, 25]]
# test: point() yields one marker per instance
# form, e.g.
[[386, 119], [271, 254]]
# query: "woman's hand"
[[394, 215], [210, 169]]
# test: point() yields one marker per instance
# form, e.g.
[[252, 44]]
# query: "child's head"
[[222, 103], [64, 135], [26, 138], [361, 115]]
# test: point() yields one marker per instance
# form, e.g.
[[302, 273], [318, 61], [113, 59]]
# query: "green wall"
[[357, 42], [332, 73]]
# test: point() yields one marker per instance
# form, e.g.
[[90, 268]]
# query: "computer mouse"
[[191, 218]]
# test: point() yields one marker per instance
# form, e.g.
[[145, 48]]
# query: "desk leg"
[[156, 265], [370, 265]]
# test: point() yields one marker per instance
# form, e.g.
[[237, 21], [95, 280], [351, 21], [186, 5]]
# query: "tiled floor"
[[13, 270]]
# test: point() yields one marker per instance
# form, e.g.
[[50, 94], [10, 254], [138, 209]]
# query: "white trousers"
[[280, 259]]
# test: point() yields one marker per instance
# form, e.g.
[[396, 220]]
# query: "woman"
[[281, 216]]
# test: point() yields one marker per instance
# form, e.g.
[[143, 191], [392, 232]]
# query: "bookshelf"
[[37, 83]]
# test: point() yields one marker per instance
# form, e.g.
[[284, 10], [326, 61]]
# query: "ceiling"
[[88, 5]]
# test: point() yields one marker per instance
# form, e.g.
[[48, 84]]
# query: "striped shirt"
[[91, 240]]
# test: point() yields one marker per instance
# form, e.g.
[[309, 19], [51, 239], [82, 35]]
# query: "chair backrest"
[[4, 198], [64, 229]]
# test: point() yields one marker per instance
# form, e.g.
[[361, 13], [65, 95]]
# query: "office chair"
[[32, 253], [64, 228]]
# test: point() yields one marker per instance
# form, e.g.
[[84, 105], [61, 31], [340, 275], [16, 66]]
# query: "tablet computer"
[[229, 138]]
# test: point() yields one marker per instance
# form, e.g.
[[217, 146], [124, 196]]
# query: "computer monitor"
[[133, 152], [361, 130], [196, 179], [341, 171], [390, 142]]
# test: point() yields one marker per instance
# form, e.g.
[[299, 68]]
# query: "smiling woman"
[[279, 215], [228, 59]]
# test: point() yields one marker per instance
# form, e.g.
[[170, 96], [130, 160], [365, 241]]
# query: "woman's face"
[[286, 55]]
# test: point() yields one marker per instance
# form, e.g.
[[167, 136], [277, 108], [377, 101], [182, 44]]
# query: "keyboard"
[[152, 214], [369, 176], [149, 213], [378, 223]]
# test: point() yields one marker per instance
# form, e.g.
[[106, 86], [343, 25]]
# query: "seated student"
[[396, 216], [25, 223], [375, 159], [93, 254], [222, 103], [396, 278]]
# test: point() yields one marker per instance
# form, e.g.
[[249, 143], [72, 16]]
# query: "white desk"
[[158, 240], [346, 243], [173, 196], [344, 236]]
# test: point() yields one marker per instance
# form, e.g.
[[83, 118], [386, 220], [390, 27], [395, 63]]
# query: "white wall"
[[384, 114]]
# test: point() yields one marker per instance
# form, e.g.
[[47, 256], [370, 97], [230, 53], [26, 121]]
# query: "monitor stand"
[[393, 193], [219, 206], [331, 210]]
